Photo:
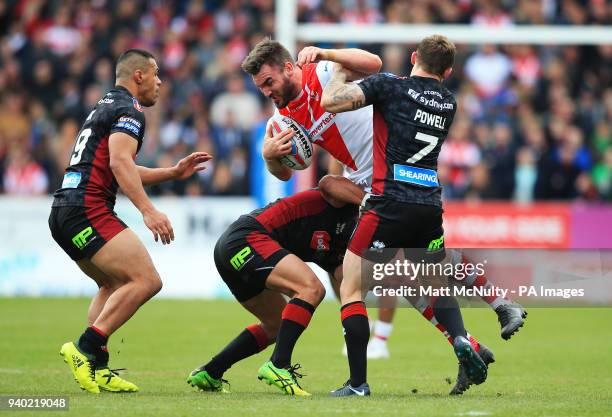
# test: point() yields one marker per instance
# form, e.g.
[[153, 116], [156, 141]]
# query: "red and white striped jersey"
[[346, 136]]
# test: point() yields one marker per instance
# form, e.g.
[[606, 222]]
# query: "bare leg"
[[125, 259], [292, 277], [267, 307], [386, 314], [106, 286]]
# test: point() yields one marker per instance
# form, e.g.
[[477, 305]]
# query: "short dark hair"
[[131, 60], [266, 52], [436, 54]]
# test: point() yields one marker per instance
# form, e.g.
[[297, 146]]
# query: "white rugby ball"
[[301, 149]]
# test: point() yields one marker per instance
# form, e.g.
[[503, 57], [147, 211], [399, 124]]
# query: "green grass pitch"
[[559, 364]]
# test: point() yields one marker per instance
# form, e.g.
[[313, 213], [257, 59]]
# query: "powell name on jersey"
[[412, 116]]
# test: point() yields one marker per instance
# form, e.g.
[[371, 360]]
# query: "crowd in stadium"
[[533, 123]]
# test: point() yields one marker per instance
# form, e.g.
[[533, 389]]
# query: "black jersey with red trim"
[[412, 116], [309, 227], [88, 180]]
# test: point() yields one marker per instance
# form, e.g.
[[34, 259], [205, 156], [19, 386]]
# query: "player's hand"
[[191, 164], [311, 54], [276, 146], [159, 224]]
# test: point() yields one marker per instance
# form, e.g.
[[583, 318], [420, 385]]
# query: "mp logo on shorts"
[[436, 244], [80, 240], [239, 259]]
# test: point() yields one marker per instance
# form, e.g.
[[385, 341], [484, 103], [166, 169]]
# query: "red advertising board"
[[507, 225]]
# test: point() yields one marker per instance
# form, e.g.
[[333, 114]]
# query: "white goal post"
[[289, 32]]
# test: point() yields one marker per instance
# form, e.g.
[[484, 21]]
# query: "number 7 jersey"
[[412, 116], [88, 180]]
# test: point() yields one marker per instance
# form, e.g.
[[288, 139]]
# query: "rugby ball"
[[301, 147]]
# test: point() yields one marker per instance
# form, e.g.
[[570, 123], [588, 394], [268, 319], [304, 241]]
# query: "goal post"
[[289, 32]]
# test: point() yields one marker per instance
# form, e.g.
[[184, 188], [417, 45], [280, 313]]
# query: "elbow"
[[326, 187], [283, 173], [284, 176], [114, 166], [325, 183]]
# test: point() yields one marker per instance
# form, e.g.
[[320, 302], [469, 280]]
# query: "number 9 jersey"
[[412, 116], [88, 180]]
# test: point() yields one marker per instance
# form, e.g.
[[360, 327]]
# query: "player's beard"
[[288, 93]]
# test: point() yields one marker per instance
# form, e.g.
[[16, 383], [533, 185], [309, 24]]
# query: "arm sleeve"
[[130, 121], [324, 72]]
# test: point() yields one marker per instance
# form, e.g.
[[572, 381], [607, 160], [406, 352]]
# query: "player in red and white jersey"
[[296, 89], [346, 136]]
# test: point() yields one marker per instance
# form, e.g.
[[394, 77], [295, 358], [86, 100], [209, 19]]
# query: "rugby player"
[[383, 326], [340, 190], [296, 88], [262, 256], [83, 223], [411, 119]]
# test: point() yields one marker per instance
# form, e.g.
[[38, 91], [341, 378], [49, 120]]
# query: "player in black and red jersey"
[[83, 223], [262, 256], [412, 116]]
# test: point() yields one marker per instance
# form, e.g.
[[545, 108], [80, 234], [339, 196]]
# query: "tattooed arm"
[[339, 95]]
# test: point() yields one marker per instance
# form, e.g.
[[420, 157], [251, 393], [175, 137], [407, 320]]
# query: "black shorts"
[[417, 228], [245, 254], [81, 232]]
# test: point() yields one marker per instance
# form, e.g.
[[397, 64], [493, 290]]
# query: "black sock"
[[252, 340], [447, 312], [296, 316], [93, 343], [356, 334]]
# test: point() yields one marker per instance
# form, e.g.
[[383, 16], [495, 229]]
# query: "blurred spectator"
[[480, 187], [501, 161], [602, 175], [557, 175], [490, 14], [23, 176], [361, 11], [525, 65], [460, 155], [62, 37], [241, 105], [223, 183], [525, 175], [14, 122], [229, 136], [489, 71]]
